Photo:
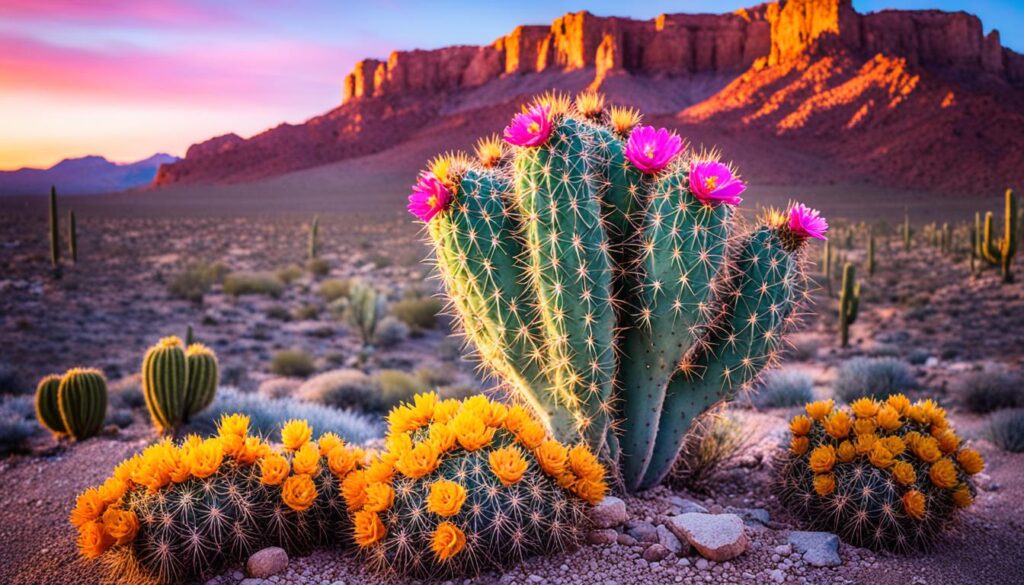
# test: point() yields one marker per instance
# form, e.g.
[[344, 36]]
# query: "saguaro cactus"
[[1000, 252], [82, 402], [871, 254], [314, 233], [907, 232], [588, 265], [72, 237], [849, 303]]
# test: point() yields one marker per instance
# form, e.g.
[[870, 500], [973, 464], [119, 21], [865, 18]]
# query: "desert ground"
[[922, 307]]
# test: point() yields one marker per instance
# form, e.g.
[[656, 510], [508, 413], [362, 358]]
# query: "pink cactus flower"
[[651, 150], [531, 128], [712, 183], [807, 222], [429, 197]]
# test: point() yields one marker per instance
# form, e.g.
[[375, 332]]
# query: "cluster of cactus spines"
[[314, 233], [178, 382], [47, 405], [598, 292], [82, 402], [849, 303], [468, 486], [54, 230], [72, 237], [1000, 251], [886, 475], [178, 512], [365, 310]]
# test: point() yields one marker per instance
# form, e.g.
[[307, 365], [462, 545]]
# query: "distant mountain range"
[[85, 175]]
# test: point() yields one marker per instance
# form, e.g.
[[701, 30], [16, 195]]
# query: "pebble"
[[266, 562], [718, 537], [655, 553], [820, 549], [602, 536], [608, 513], [671, 542]]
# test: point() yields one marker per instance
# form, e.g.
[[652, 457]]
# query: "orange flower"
[[471, 432], [508, 464], [799, 445], [446, 498], [112, 490], [252, 449], [368, 528], [971, 461], [396, 445], [824, 484], [926, 449], [846, 452], [948, 441], [894, 444], [295, 434], [401, 419], [379, 497], [232, 430], [205, 460], [584, 464], [423, 407], [353, 489], [898, 401], [126, 468], [448, 541], [552, 456], [917, 413], [820, 409], [445, 410], [121, 525], [340, 460], [93, 541], [865, 443], [880, 457], [889, 418], [421, 460], [327, 442], [913, 504], [822, 459], [864, 426], [838, 424], [800, 425], [273, 469], [943, 474], [298, 492], [380, 471], [441, 437], [307, 460], [864, 408], [531, 434], [904, 473], [89, 506], [515, 418], [962, 497]]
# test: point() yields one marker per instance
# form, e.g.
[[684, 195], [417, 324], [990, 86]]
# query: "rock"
[[602, 536], [718, 537], [655, 553], [820, 549], [626, 540], [266, 562], [752, 516], [609, 512], [686, 506], [642, 531], [777, 575], [671, 542]]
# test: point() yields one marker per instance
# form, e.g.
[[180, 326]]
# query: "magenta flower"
[[651, 150], [806, 222], [531, 128], [429, 197], [712, 182]]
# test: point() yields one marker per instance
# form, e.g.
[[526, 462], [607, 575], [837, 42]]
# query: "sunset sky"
[[128, 78]]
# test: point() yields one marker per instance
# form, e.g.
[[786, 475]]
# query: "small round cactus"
[[468, 486], [178, 382], [82, 402], [887, 475], [178, 512], [47, 408], [203, 377]]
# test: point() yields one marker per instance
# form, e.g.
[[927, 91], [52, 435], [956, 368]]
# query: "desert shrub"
[[784, 388], [380, 260], [872, 377], [318, 267], [267, 415], [390, 332], [397, 386], [988, 390], [334, 289], [279, 313], [195, 280], [279, 387], [289, 274], [343, 388], [1006, 429], [292, 362], [307, 312], [253, 283], [433, 376], [717, 438], [419, 314], [11, 381], [127, 393], [17, 424]]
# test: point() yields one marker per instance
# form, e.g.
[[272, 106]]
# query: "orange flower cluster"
[[893, 435], [427, 431]]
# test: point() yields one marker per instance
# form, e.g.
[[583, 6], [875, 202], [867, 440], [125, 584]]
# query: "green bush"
[[318, 267], [988, 390], [1006, 429], [253, 283], [289, 274], [279, 387], [418, 314], [872, 377], [195, 280], [397, 386], [334, 289], [292, 362], [344, 388], [784, 389], [390, 332]]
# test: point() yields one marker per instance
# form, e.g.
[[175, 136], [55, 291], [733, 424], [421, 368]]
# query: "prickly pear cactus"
[[597, 268]]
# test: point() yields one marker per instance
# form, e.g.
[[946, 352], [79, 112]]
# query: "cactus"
[[179, 513], [464, 487], [82, 402], [594, 284], [907, 232], [975, 244], [849, 303], [365, 310], [314, 232], [190, 337], [203, 377], [871, 254], [72, 237], [47, 406], [54, 231], [884, 475], [1000, 252]]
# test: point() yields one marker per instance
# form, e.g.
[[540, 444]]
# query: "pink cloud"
[[136, 12]]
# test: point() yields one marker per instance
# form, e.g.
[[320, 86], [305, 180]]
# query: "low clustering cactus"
[[468, 486], [178, 512], [887, 475], [74, 404], [178, 382], [596, 267]]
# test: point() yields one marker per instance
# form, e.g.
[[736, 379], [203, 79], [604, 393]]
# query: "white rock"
[[718, 537]]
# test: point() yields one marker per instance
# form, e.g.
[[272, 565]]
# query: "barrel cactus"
[[203, 377], [596, 266], [468, 486], [177, 382], [887, 475], [81, 403], [47, 407], [179, 512]]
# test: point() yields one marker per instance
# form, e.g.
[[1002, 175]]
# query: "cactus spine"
[[849, 303], [82, 402], [54, 230], [48, 407], [203, 377], [314, 232], [599, 294], [72, 237]]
